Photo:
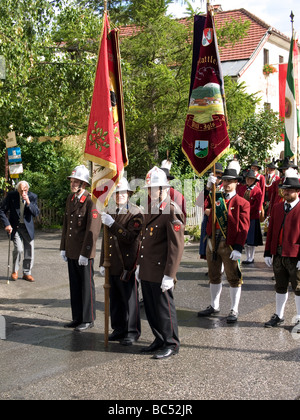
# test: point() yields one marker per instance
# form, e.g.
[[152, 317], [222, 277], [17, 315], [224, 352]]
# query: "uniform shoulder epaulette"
[[177, 209]]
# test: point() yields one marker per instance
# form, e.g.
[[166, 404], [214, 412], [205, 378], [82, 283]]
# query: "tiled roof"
[[241, 50], [246, 47]]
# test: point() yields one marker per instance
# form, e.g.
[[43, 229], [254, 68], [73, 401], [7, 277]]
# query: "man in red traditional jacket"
[[229, 246], [283, 247]]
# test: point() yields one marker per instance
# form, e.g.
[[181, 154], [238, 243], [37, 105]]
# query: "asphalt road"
[[40, 360]]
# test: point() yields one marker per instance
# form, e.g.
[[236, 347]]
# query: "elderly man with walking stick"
[[22, 208]]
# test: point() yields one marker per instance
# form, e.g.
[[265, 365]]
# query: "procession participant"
[[175, 195], [270, 178], [161, 251], [232, 225], [252, 193], [22, 208], [261, 181], [282, 244], [124, 225], [81, 228], [275, 193], [214, 178]]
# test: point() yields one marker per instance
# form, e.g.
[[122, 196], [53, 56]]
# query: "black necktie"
[[287, 207]]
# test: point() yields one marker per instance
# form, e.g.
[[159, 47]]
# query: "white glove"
[[63, 256], [269, 261], [167, 283], [211, 180], [83, 260], [137, 273], [235, 255], [107, 219], [102, 271], [298, 265]]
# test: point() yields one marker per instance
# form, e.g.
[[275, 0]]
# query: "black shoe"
[[164, 353], [129, 340], [247, 262], [156, 345], [232, 317], [72, 324], [208, 311], [84, 326], [116, 336], [274, 321]]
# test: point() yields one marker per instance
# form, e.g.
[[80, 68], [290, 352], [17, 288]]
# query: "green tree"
[[258, 134]]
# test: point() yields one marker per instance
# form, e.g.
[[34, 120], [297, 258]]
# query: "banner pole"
[[213, 193]]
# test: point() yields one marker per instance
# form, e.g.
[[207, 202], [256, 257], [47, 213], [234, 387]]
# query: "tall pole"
[[213, 192], [297, 146], [107, 268]]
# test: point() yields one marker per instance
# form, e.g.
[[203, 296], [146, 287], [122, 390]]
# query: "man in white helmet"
[[81, 228], [161, 251]]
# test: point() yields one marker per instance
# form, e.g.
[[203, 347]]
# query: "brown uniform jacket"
[[81, 227], [124, 239], [162, 243]]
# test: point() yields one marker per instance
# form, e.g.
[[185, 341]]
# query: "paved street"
[[41, 360]]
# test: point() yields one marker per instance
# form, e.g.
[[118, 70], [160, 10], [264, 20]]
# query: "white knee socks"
[[281, 300], [215, 293], [235, 296]]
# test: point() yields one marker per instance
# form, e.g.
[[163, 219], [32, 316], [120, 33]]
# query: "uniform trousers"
[[82, 290], [285, 271], [124, 306], [161, 314], [23, 243], [215, 266]]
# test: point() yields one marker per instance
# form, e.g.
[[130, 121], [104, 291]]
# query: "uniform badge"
[[177, 225], [95, 214]]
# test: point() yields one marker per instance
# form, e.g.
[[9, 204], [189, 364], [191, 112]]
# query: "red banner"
[[205, 137], [282, 86], [106, 139]]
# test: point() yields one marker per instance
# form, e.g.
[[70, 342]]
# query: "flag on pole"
[[291, 121], [205, 137], [106, 138]]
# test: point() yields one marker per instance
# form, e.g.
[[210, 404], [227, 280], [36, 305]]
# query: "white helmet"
[[123, 185], [81, 173], [156, 178]]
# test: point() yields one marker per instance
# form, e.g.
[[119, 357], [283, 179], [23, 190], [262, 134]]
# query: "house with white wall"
[[245, 60]]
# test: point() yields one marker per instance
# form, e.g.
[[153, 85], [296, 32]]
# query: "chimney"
[[217, 8]]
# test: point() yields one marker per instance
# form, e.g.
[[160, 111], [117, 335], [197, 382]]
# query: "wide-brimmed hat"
[[156, 178], [81, 173], [167, 172], [255, 163], [291, 180], [286, 163], [123, 185], [250, 174], [271, 165], [232, 171]]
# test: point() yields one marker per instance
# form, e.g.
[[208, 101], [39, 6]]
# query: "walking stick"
[[106, 286], [8, 263]]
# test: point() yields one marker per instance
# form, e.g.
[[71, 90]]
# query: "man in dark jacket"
[[81, 228], [22, 207], [124, 226]]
